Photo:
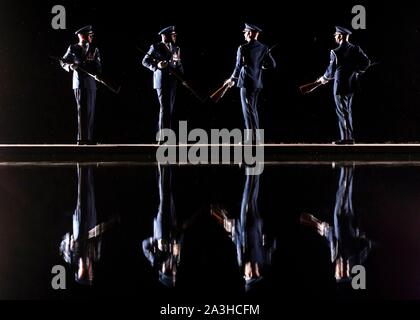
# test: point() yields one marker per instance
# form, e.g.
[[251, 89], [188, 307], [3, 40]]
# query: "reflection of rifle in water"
[[174, 73], [221, 216], [69, 245], [309, 220], [94, 76], [99, 229]]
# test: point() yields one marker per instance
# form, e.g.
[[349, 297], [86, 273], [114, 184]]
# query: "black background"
[[37, 104]]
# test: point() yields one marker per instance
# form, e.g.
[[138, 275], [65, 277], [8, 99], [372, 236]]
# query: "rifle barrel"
[[94, 76], [175, 74]]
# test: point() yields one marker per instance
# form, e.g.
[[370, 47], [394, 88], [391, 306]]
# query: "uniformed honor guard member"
[[84, 55], [252, 57], [346, 63], [164, 60]]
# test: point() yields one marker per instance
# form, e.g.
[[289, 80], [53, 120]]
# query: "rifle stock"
[[309, 220], [309, 87], [219, 93]]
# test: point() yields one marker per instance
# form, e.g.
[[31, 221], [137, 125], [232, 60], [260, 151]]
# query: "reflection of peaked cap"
[[86, 278], [167, 30], [250, 283], [252, 27], [85, 30], [84, 281], [342, 30], [166, 280], [363, 248]]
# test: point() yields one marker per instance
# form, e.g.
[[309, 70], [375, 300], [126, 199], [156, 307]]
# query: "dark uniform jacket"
[[346, 62], [251, 58], [161, 52], [89, 60]]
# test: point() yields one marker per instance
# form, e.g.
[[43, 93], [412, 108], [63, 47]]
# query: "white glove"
[[162, 64], [322, 80], [230, 82]]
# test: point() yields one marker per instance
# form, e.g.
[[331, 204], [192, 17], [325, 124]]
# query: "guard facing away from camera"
[[83, 59], [348, 245], [251, 58], [164, 59], [347, 61], [254, 249]]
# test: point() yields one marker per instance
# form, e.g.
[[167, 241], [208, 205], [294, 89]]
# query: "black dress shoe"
[[344, 142], [85, 143]]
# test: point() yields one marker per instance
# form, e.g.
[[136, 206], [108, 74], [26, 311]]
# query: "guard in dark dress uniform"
[[252, 57], [84, 55], [164, 59], [346, 63], [348, 245]]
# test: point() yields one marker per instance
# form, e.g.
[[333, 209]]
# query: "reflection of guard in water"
[[163, 250], [82, 247], [254, 249], [349, 247]]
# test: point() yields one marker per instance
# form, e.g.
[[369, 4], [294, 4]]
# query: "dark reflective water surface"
[[209, 232]]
